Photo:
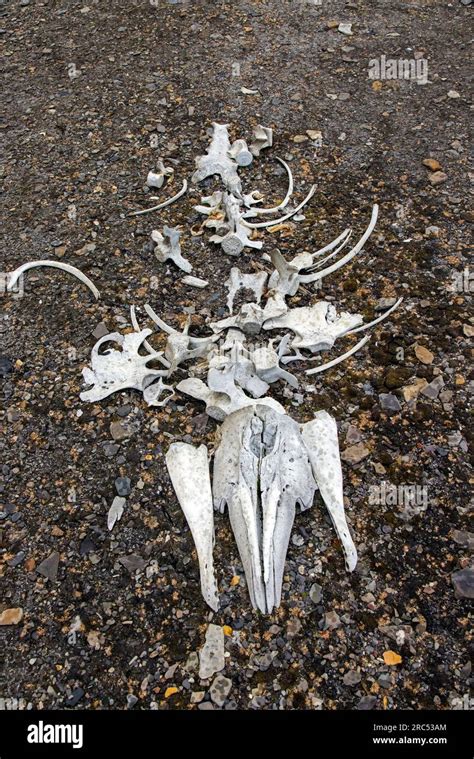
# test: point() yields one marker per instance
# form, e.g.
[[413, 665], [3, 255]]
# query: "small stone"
[[300, 138], [463, 582], [192, 662], [197, 696], [49, 566], [410, 392], [355, 453], [345, 29], [315, 593], [367, 703], [132, 562], [75, 697], [17, 559], [423, 354], [331, 620], [314, 134], [211, 657], [131, 700], [453, 94], [11, 616], [433, 389], [384, 303], [123, 486], [206, 706], [468, 330], [100, 331], [352, 677], [353, 435], [119, 431], [220, 689], [115, 512], [432, 164], [437, 178], [389, 402], [6, 366]]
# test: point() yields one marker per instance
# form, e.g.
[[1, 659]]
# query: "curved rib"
[[376, 321], [340, 358], [273, 222], [345, 259], [15, 275], [154, 317], [146, 344], [164, 204], [288, 195], [331, 255]]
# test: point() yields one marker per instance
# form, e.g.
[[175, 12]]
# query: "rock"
[[17, 559], [389, 402], [131, 700], [123, 486], [314, 134], [355, 453], [468, 330], [353, 435], [410, 392], [220, 689], [423, 354], [6, 366], [432, 164], [132, 562], [384, 303], [115, 512], [100, 331], [352, 677], [300, 138], [433, 389], [453, 94], [197, 696], [211, 657], [119, 431], [49, 566], [192, 662], [315, 593], [75, 697], [463, 582], [345, 29], [464, 538], [367, 703], [206, 706], [11, 616], [437, 178], [331, 620]]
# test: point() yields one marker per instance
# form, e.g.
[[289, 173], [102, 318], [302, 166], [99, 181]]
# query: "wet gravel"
[[94, 94]]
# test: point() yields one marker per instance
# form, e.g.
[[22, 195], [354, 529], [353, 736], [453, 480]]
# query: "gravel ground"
[[94, 94]]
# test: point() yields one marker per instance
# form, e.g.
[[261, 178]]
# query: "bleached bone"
[[15, 275], [284, 202], [240, 153], [157, 179], [320, 437], [239, 281], [274, 222], [164, 204], [339, 359], [350, 255], [152, 392], [237, 237], [168, 247], [217, 161], [378, 320], [249, 320], [116, 370], [188, 468], [226, 370], [180, 346], [195, 282], [261, 470], [316, 327], [267, 365], [262, 138], [221, 404], [211, 203]]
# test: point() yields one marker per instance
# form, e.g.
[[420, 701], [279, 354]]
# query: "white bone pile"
[[265, 462]]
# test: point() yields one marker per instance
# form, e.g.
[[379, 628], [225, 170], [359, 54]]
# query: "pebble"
[[6, 366], [438, 177], [367, 703], [115, 512], [410, 392], [352, 677], [123, 486], [433, 389], [119, 431], [331, 620], [100, 331], [389, 402], [132, 562], [384, 303], [355, 453], [11, 616], [220, 689], [463, 582], [423, 354], [211, 657], [75, 697], [131, 701], [345, 29], [49, 566], [17, 559], [432, 164], [315, 593]]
